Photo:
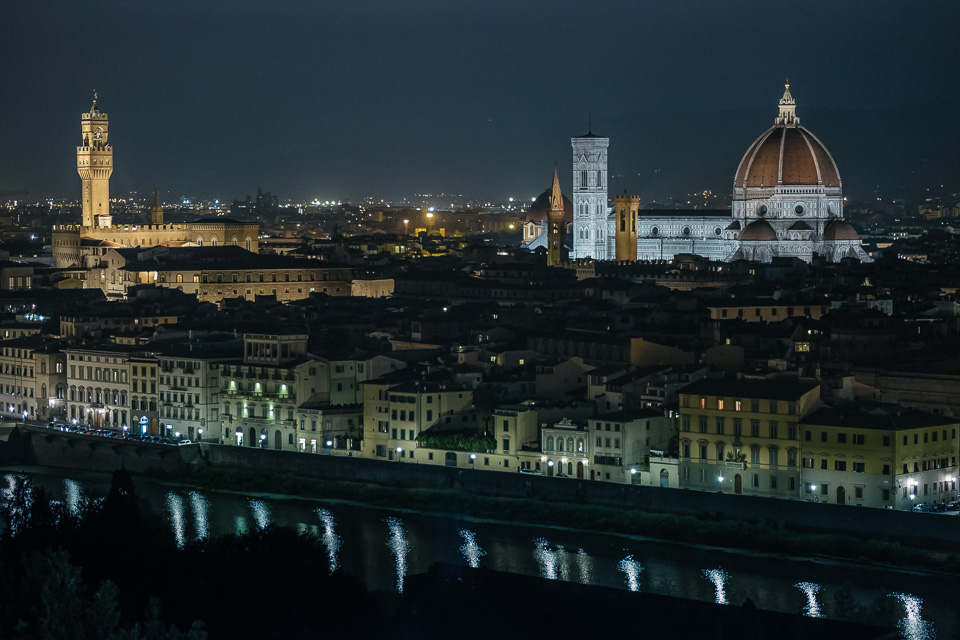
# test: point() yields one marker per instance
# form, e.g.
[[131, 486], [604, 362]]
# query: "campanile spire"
[[556, 225]]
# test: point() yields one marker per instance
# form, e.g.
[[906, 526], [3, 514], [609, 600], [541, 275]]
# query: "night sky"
[[386, 98]]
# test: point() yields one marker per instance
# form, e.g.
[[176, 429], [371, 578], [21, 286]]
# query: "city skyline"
[[343, 102]]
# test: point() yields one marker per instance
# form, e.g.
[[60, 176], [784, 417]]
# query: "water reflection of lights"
[[261, 513], [584, 567], [330, 539], [175, 509], [810, 589], [912, 626], [201, 514], [563, 563], [719, 579], [472, 552], [546, 558], [240, 525], [631, 571], [71, 496], [398, 544]]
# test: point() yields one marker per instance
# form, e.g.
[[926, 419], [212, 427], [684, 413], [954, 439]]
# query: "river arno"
[[370, 543]]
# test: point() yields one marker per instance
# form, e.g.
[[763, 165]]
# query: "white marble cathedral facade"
[[787, 201]]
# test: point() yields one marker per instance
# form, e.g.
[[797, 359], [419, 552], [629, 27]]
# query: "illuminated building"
[[787, 202], [84, 245]]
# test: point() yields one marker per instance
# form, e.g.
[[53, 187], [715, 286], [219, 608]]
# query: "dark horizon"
[[362, 100]]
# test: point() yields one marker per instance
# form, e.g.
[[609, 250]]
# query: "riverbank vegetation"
[[709, 529], [111, 570]]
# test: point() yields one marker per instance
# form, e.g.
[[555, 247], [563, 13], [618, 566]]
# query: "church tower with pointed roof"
[[556, 226], [156, 211]]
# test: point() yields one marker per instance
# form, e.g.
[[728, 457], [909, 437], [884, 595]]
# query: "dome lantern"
[[788, 109]]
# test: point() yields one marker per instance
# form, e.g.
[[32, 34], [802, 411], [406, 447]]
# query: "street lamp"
[[720, 482], [473, 457], [405, 223]]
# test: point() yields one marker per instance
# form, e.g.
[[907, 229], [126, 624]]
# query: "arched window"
[[579, 445], [559, 444], [248, 244], [43, 391], [569, 444], [179, 277], [550, 443], [719, 451]]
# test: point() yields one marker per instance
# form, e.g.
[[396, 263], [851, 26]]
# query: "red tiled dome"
[[788, 155], [837, 229], [758, 231]]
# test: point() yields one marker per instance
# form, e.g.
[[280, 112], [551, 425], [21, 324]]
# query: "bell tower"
[[590, 230], [95, 165], [556, 226], [156, 211], [627, 209]]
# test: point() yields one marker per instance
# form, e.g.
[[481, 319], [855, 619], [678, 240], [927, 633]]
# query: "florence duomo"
[[787, 202]]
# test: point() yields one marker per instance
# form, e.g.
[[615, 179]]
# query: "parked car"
[[938, 507], [953, 506], [922, 508], [184, 441]]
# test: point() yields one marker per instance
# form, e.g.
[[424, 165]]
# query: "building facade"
[[742, 437], [883, 456]]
